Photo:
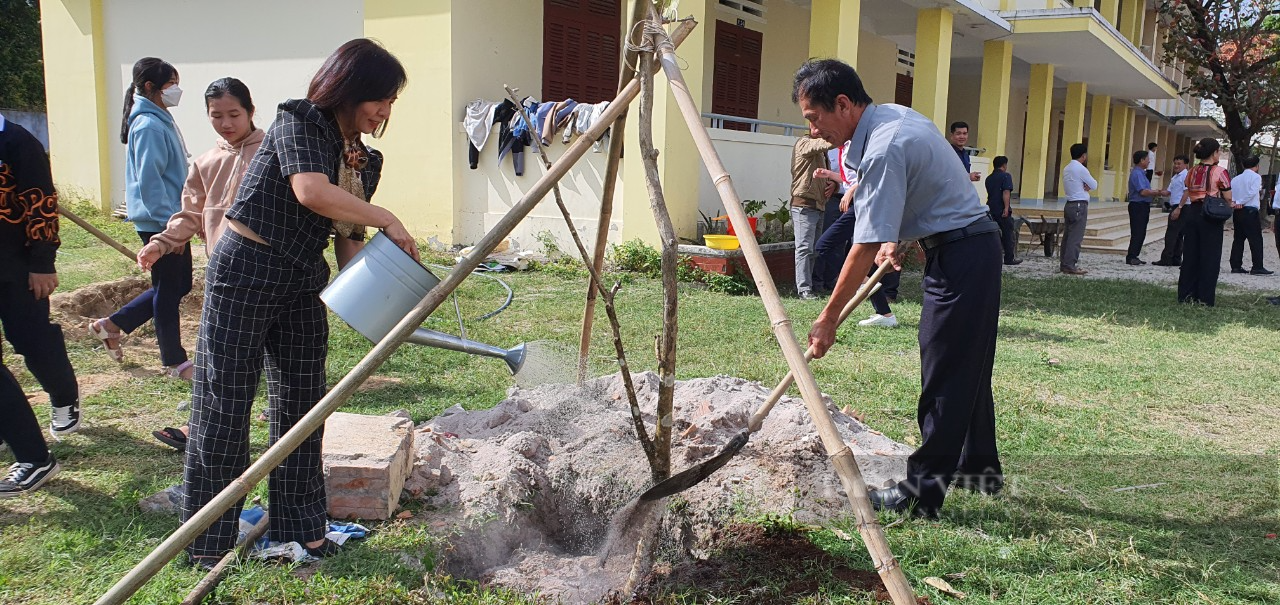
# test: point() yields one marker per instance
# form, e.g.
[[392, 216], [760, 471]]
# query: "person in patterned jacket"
[[28, 243]]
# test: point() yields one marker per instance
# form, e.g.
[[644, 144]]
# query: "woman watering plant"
[[262, 309], [211, 188]]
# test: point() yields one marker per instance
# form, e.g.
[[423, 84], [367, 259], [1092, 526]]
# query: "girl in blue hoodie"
[[155, 170]]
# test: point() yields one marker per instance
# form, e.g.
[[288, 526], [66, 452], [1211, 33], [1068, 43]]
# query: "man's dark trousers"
[[833, 249], [1008, 236], [1248, 226], [958, 323], [1172, 253], [1139, 219], [39, 341]]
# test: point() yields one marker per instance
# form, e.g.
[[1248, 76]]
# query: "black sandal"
[[328, 548], [171, 437]]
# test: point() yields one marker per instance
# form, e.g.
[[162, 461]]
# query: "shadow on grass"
[[1133, 304]]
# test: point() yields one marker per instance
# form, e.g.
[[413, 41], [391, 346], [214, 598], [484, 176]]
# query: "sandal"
[[105, 335], [171, 437], [176, 371]]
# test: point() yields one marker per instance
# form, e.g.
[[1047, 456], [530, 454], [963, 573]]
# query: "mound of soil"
[[761, 565], [527, 490]]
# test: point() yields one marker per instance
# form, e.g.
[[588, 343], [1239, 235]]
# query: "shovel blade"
[[697, 473]]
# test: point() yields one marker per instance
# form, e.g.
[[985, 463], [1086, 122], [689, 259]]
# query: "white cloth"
[[583, 117], [1177, 185], [1074, 179], [479, 121], [1246, 188], [1, 122]]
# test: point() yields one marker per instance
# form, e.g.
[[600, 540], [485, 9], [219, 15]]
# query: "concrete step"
[[1116, 242]]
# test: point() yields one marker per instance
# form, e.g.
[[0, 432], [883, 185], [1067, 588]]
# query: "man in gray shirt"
[[910, 188]]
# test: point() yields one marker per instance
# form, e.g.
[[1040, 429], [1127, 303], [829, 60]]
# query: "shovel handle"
[[867, 289], [107, 239]]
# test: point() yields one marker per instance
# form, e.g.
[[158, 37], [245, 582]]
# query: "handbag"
[[1216, 209]]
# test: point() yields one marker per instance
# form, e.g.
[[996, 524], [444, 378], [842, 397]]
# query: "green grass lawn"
[[1144, 392]]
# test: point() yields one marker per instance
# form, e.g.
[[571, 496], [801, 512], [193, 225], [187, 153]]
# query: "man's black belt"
[[978, 227]]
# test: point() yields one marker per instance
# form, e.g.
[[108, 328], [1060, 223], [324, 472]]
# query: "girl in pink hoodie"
[[215, 175], [209, 191]]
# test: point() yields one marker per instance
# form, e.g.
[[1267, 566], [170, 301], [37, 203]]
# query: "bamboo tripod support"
[[617, 138], [842, 457], [335, 398], [98, 233]]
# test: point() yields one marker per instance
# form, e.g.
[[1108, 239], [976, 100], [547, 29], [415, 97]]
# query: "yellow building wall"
[[417, 179], [786, 46], [878, 66], [79, 127]]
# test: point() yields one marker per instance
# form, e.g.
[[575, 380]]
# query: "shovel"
[[696, 474]]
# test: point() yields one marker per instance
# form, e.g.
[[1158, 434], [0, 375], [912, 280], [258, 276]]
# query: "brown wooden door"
[[735, 83], [902, 92], [581, 49]]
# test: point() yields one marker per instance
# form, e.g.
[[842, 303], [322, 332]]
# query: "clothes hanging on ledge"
[[480, 117], [584, 116]]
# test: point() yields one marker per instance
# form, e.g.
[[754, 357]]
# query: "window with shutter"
[[581, 48], [902, 93], [735, 84]]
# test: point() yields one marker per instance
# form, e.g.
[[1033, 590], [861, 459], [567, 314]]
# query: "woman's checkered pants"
[[260, 310]]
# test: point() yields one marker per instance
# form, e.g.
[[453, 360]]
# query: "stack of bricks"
[[366, 461]]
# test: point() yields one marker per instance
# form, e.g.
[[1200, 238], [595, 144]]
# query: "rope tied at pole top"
[[652, 30]]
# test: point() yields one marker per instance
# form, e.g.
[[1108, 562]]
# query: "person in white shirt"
[[1151, 168], [1246, 190], [1076, 183], [1171, 256]]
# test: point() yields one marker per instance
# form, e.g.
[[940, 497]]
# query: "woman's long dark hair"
[[360, 70], [230, 86], [148, 69], [1206, 148]]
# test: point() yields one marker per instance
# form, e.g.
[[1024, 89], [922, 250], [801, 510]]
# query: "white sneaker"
[[876, 319], [65, 420]]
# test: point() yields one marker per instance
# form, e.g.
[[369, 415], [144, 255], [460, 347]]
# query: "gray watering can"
[[381, 285]]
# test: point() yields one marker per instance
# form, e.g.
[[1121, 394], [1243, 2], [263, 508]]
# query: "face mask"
[[171, 95]]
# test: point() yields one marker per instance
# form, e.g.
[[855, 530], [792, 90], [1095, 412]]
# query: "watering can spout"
[[431, 338]]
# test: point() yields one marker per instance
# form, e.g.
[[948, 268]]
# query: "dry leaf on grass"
[[841, 534], [942, 585]]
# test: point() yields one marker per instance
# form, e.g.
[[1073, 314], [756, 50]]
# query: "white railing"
[[717, 120]]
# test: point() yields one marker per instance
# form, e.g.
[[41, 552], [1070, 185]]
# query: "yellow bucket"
[[722, 242]]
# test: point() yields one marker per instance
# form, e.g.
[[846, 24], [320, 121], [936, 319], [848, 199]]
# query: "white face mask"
[[171, 95]]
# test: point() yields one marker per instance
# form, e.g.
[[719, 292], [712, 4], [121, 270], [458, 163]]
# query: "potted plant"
[[751, 207]]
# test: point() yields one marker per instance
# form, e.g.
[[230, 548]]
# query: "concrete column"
[[933, 64], [1134, 16], [420, 34], [993, 108], [81, 129], [1081, 4], [1115, 148], [679, 164], [1098, 119], [1073, 119], [833, 29], [1110, 11], [1140, 136], [1035, 157], [1121, 161]]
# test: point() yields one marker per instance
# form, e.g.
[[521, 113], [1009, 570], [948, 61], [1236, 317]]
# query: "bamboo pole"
[[335, 398], [617, 138], [842, 457], [214, 577], [87, 226]]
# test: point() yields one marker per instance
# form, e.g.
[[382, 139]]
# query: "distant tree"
[[21, 65], [1231, 49]]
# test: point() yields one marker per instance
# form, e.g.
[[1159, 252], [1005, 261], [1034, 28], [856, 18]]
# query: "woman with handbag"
[[1207, 204]]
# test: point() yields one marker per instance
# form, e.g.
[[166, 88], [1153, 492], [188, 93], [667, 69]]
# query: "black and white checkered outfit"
[[262, 310]]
